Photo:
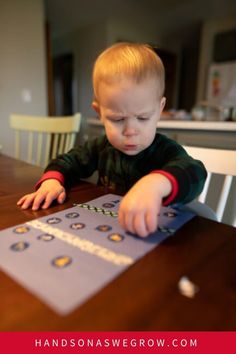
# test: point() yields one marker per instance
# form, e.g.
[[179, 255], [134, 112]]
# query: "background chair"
[[221, 162], [42, 138]]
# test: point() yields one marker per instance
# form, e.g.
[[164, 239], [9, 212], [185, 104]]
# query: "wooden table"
[[146, 296]]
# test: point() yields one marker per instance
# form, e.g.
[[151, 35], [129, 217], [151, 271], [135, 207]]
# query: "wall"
[[175, 27], [22, 64], [209, 29], [130, 30], [86, 43]]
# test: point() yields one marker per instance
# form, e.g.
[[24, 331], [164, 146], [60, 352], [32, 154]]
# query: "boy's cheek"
[[112, 135], [102, 119]]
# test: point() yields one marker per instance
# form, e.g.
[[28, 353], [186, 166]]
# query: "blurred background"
[[188, 35], [48, 49]]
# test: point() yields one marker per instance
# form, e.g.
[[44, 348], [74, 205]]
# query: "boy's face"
[[129, 112]]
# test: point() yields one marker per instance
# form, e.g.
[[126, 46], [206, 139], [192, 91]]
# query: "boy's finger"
[[121, 218], [27, 201], [140, 225], [129, 222], [61, 198], [151, 221], [38, 201], [22, 199], [49, 198]]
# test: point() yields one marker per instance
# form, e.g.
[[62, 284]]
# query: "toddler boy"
[[132, 158]]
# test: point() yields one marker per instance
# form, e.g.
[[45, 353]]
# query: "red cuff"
[[50, 175], [174, 184]]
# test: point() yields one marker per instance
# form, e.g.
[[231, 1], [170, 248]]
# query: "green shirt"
[[120, 171]]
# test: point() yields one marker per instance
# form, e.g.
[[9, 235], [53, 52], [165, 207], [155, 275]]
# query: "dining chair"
[[43, 138], [220, 162]]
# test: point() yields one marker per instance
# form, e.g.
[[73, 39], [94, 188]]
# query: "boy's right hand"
[[49, 190]]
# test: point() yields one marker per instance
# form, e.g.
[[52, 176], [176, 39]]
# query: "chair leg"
[[223, 197]]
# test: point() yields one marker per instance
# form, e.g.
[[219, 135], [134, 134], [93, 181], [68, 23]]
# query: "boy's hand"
[[139, 209], [49, 190]]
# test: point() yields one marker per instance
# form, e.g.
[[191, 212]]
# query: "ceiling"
[[68, 15]]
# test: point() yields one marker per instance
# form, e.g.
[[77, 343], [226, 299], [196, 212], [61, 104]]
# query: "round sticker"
[[19, 246], [170, 214], [103, 228], [116, 237], [21, 229], [108, 205], [77, 226], [72, 215], [61, 261], [46, 237], [53, 220]]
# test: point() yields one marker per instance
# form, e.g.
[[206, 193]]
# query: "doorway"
[[63, 84]]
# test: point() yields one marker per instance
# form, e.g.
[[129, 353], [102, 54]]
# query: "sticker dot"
[[166, 230], [108, 205], [53, 220], [77, 226], [21, 229], [46, 237], [170, 214], [19, 246], [61, 261], [116, 237], [72, 215], [103, 228]]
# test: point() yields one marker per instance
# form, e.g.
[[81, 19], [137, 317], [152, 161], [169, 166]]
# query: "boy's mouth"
[[130, 147]]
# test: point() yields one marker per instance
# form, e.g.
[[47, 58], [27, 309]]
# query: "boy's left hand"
[[140, 207]]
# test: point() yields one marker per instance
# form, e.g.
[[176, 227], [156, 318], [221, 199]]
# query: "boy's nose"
[[129, 130]]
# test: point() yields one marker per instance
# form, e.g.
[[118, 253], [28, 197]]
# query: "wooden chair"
[[216, 161], [42, 138]]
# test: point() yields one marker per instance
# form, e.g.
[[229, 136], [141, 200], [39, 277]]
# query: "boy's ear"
[[95, 106], [163, 103]]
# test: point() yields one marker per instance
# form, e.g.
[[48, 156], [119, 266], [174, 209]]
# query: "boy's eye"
[[116, 120], [142, 118]]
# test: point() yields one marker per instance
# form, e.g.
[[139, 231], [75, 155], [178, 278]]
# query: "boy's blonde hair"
[[128, 60]]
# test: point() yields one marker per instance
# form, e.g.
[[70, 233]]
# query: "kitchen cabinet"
[[221, 135]]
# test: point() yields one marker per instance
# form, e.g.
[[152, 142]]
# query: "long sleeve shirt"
[[120, 171]]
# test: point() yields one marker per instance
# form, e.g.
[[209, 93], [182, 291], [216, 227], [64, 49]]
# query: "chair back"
[[44, 137], [216, 161]]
